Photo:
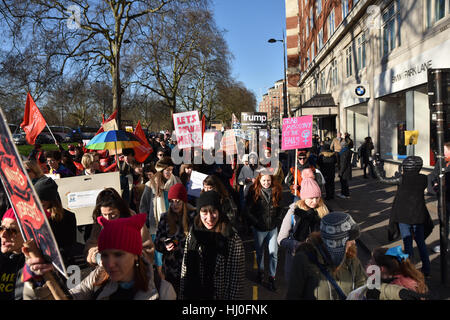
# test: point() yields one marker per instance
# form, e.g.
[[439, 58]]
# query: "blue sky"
[[249, 24]]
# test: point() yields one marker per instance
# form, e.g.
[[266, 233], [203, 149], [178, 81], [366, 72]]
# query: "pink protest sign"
[[297, 133]]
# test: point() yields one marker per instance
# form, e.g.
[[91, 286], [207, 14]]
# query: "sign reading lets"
[[297, 133], [188, 129]]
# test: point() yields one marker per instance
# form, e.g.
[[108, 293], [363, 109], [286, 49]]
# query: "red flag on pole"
[[142, 151], [111, 117], [33, 121]]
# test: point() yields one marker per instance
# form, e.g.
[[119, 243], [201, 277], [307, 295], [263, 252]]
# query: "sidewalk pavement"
[[370, 204]]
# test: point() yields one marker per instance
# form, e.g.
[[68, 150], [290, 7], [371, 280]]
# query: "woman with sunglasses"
[[11, 258], [171, 235]]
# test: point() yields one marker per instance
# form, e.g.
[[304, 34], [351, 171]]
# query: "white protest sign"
[[82, 199], [195, 184], [188, 129], [209, 139]]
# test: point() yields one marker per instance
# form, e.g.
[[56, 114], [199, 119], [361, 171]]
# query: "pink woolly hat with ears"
[[122, 234], [309, 187], [9, 214]]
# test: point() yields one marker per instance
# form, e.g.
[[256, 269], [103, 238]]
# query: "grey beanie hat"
[[336, 228]]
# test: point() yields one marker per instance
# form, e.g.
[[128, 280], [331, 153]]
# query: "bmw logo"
[[360, 91]]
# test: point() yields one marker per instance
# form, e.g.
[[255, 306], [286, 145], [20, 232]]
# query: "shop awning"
[[320, 100]]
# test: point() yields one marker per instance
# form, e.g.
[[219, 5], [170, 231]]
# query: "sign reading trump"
[[188, 129], [297, 133]]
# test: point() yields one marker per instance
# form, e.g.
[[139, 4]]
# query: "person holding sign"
[[63, 222], [124, 274], [302, 163], [264, 215], [12, 260]]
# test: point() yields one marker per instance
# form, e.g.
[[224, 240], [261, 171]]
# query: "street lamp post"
[[285, 113]]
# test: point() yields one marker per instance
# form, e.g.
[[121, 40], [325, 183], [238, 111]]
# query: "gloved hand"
[[373, 294], [406, 294]]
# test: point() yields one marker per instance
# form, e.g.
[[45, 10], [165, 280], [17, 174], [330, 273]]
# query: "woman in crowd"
[[396, 268], [327, 163], [12, 259], [111, 206], [212, 182], [326, 264], [302, 218], [62, 222], [213, 266], [124, 275], [185, 177], [160, 186], [171, 235], [264, 214], [90, 164]]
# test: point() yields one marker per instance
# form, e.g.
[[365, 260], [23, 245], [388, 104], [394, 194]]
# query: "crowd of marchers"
[[154, 239]]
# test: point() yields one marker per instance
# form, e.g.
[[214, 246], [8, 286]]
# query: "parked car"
[[44, 138], [19, 138]]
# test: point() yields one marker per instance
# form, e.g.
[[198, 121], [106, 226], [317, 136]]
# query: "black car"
[[44, 138]]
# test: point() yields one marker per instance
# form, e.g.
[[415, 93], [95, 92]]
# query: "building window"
[[308, 60], [331, 24], [334, 73], [348, 61], [344, 8], [436, 10], [361, 52], [313, 51], [311, 17], [391, 27], [320, 39], [323, 88], [319, 6]]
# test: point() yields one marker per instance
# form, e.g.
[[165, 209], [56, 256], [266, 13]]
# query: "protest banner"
[[209, 138], [228, 143], [79, 194], [188, 129], [253, 120], [30, 214], [297, 133], [195, 184]]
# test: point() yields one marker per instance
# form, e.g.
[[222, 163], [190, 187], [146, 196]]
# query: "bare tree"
[[86, 32]]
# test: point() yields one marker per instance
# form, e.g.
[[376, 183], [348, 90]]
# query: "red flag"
[[142, 151], [33, 121], [112, 116], [203, 124]]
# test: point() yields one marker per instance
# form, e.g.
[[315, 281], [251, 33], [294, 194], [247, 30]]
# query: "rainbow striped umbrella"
[[113, 140]]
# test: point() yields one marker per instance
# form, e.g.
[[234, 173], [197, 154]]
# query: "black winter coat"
[[327, 164], [345, 164], [262, 214]]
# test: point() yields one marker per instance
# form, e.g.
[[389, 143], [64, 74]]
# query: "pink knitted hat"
[[309, 187], [122, 234], [9, 214]]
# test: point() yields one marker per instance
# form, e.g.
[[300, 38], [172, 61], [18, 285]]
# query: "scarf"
[[267, 194], [201, 286]]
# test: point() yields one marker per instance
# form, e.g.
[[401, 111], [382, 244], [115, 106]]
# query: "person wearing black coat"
[[327, 164], [264, 214], [410, 218], [366, 151], [345, 168]]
